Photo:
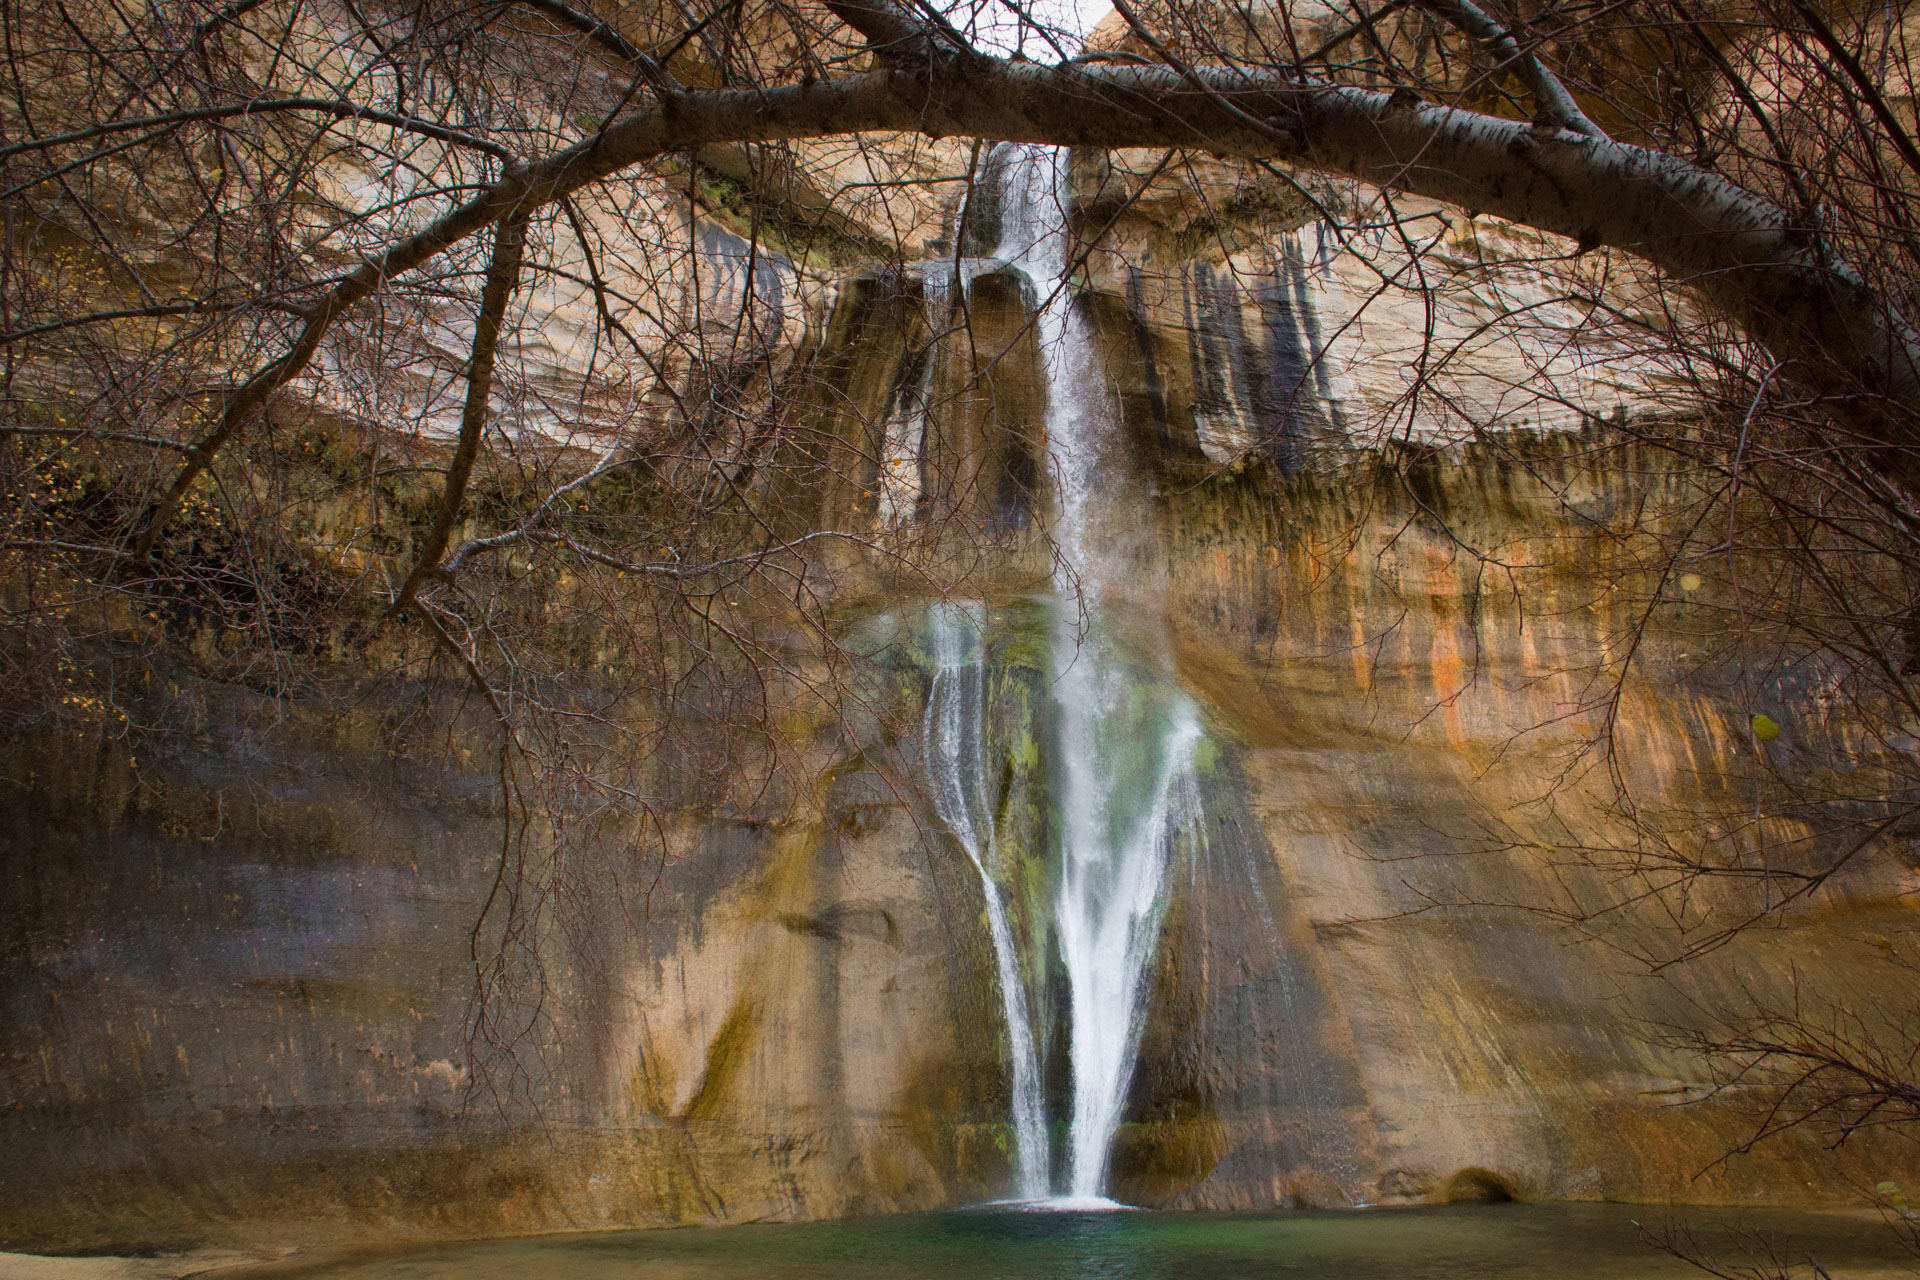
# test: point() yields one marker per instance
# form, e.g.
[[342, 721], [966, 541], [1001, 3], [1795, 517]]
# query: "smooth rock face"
[[238, 977]]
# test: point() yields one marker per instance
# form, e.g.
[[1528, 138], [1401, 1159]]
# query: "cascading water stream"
[[959, 761]]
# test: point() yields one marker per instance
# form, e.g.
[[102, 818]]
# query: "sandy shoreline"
[[174, 1266]]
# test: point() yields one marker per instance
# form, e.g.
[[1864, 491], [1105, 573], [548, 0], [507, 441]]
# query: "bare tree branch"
[[1739, 249], [1554, 106], [503, 274]]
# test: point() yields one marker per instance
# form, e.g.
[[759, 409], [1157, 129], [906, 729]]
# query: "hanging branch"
[[503, 275]]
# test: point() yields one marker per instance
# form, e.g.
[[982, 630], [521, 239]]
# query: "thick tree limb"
[[1552, 104], [157, 311], [87, 433], [503, 275], [1742, 252], [334, 107], [894, 35], [1870, 93], [609, 40]]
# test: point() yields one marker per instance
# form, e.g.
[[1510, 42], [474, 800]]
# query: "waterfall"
[[1124, 781], [1126, 787], [960, 765]]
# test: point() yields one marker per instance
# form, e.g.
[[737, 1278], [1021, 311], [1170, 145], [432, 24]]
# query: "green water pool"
[[1601, 1242]]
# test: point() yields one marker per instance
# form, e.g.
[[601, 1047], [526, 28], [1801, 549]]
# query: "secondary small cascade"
[[1124, 780], [960, 765]]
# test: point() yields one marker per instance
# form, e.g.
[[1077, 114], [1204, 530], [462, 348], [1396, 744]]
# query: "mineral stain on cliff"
[[242, 978]]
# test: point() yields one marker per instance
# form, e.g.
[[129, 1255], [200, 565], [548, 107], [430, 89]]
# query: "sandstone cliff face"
[[239, 969]]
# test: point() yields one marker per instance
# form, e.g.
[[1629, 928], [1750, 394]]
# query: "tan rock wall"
[[239, 976]]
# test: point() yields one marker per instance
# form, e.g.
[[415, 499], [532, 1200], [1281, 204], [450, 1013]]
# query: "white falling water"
[[961, 765], [1126, 785]]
